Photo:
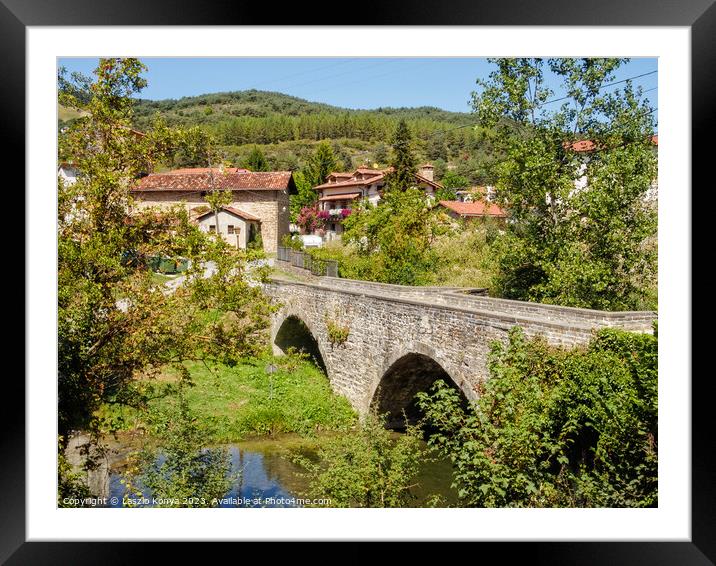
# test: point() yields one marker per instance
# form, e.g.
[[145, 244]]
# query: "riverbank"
[[262, 396]]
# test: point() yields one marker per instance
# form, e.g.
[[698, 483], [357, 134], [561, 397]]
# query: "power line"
[[335, 64], [600, 88], [566, 97]]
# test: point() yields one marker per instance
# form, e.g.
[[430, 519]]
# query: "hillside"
[[287, 128]]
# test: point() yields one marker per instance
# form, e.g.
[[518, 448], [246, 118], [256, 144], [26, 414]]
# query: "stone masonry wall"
[[271, 207], [386, 326]]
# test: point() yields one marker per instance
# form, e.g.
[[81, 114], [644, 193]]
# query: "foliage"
[[256, 161], [311, 220], [555, 428], [337, 332], [583, 247], [320, 164], [71, 484], [403, 162], [292, 241], [231, 402], [395, 237], [113, 320], [464, 257], [367, 468], [181, 473], [217, 200], [305, 197]]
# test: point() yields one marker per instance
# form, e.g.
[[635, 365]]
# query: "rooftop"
[[208, 181], [478, 208]]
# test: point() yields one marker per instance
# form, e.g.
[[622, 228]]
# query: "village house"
[[259, 205], [342, 190], [473, 209]]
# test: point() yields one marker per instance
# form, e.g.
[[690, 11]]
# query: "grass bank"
[[263, 396]]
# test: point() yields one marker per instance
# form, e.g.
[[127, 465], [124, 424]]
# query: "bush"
[[555, 428], [366, 468]]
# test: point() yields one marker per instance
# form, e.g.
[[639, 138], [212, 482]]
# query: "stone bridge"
[[401, 339]]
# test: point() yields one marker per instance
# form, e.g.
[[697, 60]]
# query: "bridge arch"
[[291, 330], [403, 376]]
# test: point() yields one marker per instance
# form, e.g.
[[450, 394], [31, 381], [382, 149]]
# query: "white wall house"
[[237, 227]]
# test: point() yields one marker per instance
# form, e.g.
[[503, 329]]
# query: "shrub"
[[554, 427]]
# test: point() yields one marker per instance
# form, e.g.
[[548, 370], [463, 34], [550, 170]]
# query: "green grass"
[[233, 403]]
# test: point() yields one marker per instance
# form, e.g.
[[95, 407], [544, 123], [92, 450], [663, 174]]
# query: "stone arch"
[[402, 376], [291, 330]]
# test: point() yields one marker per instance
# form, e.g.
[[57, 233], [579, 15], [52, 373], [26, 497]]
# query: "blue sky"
[[347, 82]]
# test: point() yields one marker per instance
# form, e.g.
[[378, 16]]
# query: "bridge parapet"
[[391, 327]]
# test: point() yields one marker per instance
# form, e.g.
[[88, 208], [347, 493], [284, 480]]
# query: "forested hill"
[[216, 108], [286, 129]]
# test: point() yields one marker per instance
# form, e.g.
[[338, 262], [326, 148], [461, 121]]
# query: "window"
[[230, 228], [212, 228]]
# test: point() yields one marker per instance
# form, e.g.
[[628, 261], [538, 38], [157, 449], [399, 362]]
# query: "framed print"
[[415, 272]]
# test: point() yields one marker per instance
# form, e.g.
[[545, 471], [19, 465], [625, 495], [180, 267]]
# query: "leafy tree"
[[396, 235], [320, 164], [255, 161], [367, 468], [584, 246], [554, 427], [402, 177], [217, 200], [114, 323], [181, 473], [305, 197]]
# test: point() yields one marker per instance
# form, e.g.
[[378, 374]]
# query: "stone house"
[[258, 199], [342, 190]]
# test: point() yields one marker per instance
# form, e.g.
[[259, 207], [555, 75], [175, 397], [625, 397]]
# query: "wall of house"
[[241, 228], [271, 207]]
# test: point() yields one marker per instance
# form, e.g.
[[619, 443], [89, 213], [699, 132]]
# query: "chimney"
[[427, 170]]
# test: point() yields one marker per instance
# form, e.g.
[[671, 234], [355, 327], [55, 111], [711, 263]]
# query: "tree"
[[367, 468], [555, 427], [344, 159], [403, 161], [255, 161], [114, 322], [450, 182], [320, 164], [217, 200], [396, 237], [305, 196], [181, 473], [583, 246], [436, 147]]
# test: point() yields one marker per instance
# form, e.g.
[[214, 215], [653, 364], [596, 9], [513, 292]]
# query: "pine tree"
[[403, 175], [256, 160], [320, 164]]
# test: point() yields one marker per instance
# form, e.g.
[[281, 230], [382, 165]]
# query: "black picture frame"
[[699, 15]]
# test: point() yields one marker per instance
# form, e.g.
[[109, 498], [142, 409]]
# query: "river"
[[267, 477]]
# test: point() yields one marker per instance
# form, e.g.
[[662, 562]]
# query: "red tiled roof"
[[352, 182], [335, 174], [379, 176], [215, 170], [478, 208], [193, 182], [234, 211], [589, 145], [346, 196]]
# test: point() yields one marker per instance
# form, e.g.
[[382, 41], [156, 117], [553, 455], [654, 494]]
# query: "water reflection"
[[268, 478]]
